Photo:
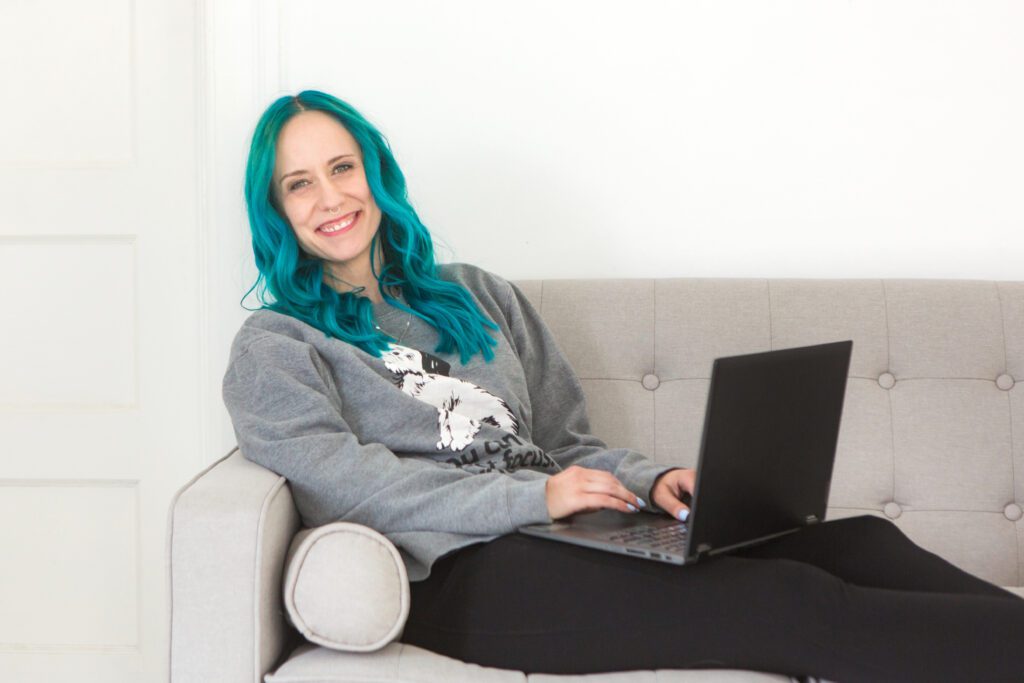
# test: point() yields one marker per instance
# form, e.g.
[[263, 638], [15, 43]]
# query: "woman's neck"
[[356, 278]]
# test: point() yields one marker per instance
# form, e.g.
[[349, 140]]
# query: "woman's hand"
[[580, 489], [668, 492]]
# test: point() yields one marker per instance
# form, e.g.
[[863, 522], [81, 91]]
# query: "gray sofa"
[[932, 438]]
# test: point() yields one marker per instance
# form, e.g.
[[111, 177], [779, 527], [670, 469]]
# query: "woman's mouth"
[[341, 225]]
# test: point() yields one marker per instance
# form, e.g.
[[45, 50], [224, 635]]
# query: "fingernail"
[[641, 502], [683, 514], [631, 508]]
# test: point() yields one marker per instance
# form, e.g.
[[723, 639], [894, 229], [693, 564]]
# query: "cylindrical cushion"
[[346, 587]]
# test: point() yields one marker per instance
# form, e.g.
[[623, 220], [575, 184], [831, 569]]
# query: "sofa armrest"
[[229, 530]]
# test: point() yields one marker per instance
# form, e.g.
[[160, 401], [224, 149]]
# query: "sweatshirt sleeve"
[[287, 417], [560, 424]]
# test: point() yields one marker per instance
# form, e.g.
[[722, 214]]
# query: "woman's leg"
[[873, 552], [539, 606]]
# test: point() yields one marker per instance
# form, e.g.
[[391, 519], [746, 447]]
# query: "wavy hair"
[[294, 280]]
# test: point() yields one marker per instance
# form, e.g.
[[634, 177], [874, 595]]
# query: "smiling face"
[[320, 184]]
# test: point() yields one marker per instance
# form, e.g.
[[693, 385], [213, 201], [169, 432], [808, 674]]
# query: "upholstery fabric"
[[932, 437], [228, 533], [346, 587], [410, 664]]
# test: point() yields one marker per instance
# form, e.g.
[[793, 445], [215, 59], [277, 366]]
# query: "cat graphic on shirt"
[[461, 406]]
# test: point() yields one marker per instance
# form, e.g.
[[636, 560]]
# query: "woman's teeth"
[[342, 225]]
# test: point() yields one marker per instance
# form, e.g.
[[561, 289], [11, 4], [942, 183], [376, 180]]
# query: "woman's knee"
[[777, 582], [796, 577], [867, 525], [802, 601]]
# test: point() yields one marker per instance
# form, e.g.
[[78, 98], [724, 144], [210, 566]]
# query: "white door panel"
[[100, 373]]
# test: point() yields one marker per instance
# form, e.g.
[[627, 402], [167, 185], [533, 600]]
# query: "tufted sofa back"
[[932, 435]]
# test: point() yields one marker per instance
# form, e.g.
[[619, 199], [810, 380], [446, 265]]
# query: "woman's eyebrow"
[[300, 171]]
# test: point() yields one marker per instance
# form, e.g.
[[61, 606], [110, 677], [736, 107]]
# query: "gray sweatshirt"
[[431, 453]]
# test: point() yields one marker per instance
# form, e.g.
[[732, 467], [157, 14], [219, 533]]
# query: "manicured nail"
[[641, 502], [683, 514], [631, 508]]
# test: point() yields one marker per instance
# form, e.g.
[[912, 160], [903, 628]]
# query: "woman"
[[432, 404]]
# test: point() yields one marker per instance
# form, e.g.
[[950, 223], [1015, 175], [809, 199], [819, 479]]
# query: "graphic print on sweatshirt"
[[462, 407]]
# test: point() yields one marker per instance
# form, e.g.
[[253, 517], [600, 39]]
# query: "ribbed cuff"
[[653, 507], [641, 479], [528, 502]]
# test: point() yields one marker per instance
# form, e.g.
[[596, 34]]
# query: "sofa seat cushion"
[[401, 663], [346, 587]]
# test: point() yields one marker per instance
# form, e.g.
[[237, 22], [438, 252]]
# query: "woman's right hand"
[[580, 489]]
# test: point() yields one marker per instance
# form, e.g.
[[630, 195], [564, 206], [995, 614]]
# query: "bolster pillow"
[[346, 587]]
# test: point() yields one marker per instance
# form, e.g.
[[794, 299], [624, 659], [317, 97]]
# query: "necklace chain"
[[408, 321], [355, 289]]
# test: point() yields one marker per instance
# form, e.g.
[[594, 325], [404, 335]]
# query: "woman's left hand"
[[668, 492]]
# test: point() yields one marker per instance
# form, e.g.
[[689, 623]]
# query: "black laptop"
[[765, 466]]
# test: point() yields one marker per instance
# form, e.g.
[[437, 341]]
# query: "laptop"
[[771, 426]]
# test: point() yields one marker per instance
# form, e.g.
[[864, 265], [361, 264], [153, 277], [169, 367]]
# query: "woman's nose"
[[330, 197]]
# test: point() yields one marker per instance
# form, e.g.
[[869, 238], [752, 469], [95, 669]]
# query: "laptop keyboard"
[[668, 538]]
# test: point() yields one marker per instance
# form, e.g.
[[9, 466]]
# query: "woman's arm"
[[287, 417], [560, 425]]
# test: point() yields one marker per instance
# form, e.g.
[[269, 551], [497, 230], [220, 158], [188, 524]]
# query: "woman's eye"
[[298, 183]]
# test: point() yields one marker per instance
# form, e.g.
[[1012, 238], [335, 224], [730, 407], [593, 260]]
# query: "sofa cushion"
[[346, 587], [403, 663]]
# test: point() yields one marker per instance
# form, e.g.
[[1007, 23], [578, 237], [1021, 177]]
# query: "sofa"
[[932, 438]]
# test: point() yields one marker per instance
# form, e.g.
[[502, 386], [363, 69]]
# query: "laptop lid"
[[771, 427]]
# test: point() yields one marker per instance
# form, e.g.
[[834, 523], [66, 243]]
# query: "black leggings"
[[846, 600]]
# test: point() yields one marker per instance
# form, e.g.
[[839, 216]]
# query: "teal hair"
[[294, 280]]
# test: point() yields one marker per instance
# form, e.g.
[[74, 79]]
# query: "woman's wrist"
[[654, 507]]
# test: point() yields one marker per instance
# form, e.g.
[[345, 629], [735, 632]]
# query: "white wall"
[[583, 138]]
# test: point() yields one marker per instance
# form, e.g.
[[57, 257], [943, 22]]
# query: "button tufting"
[[1013, 512], [1004, 382], [650, 382], [892, 510], [887, 380]]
